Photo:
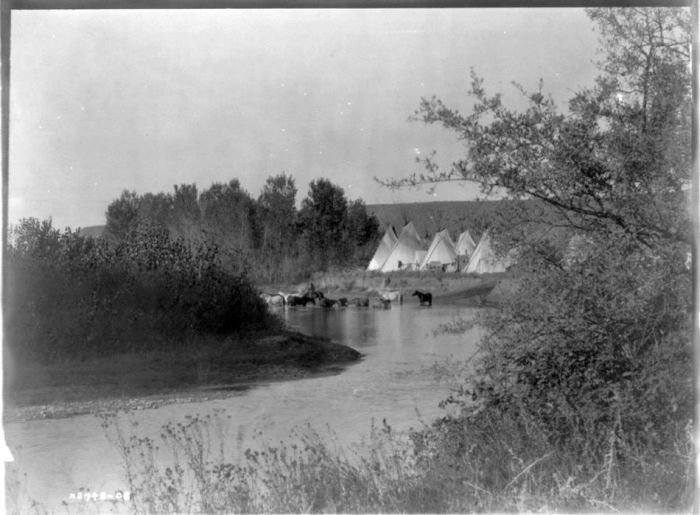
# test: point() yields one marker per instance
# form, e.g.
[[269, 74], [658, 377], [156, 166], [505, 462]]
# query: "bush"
[[71, 296], [595, 359]]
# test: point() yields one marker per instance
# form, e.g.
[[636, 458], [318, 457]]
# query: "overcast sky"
[[103, 101]]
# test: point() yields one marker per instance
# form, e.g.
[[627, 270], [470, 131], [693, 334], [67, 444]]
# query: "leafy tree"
[[362, 232], [322, 218], [186, 219], [34, 238], [229, 221], [122, 216], [157, 209], [277, 213], [618, 161], [593, 354]]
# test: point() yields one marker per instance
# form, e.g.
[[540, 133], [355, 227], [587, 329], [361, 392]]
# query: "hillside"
[[430, 217], [455, 216], [94, 230]]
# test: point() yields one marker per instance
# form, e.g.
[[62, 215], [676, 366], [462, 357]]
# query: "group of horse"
[[382, 301]]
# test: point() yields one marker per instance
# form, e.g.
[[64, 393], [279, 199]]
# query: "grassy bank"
[[206, 368]]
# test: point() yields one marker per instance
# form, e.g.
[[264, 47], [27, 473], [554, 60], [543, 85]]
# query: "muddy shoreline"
[[161, 379]]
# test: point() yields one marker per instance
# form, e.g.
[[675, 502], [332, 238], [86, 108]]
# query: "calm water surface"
[[393, 381]]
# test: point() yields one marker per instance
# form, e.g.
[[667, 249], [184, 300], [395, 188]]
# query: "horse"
[[360, 303], [273, 299], [424, 297], [328, 303], [391, 295], [300, 300], [380, 303]]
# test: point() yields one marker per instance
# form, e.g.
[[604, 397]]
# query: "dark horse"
[[301, 300], [424, 297]]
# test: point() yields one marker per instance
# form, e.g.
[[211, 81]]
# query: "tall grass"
[[490, 463]]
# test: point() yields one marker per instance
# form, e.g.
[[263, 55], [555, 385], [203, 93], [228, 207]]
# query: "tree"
[[619, 161], [35, 239], [277, 213], [122, 216], [594, 355], [228, 218], [362, 232], [322, 219], [158, 209]]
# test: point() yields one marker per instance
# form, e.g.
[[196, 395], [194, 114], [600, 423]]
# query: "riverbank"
[[467, 290], [208, 369]]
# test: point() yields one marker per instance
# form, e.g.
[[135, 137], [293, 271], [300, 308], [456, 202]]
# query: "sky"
[[103, 101]]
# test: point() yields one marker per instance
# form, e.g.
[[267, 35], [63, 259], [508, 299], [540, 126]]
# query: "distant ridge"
[[95, 231], [431, 217]]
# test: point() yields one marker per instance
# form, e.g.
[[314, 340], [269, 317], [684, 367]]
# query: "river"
[[394, 381]]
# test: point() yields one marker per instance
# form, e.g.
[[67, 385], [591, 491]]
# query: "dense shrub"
[[73, 296]]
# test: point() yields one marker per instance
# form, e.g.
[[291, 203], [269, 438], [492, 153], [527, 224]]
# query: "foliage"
[[618, 161], [277, 217], [265, 238], [593, 348], [322, 222], [70, 296]]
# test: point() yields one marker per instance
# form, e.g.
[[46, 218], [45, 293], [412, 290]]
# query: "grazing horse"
[[360, 303], [391, 295], [300, 300], [424, 297]]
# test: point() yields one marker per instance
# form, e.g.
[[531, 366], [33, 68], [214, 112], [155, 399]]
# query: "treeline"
[[267, 238]]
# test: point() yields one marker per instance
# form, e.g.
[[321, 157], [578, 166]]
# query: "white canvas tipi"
[[484, 259], [404, 250], [465, 244], [412, 231], [383, 249], [441, 250]]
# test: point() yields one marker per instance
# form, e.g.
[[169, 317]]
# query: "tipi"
[[465, 244], [484, 259], [411, 230], [383, 249], [442, 250], [404, 250]]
